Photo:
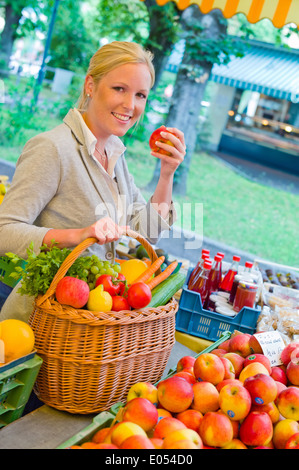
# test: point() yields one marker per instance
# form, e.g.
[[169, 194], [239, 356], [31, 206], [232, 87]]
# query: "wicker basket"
[[91, 359]]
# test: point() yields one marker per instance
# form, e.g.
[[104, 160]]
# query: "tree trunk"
[[161, 39], [188, 94], [8, 35]]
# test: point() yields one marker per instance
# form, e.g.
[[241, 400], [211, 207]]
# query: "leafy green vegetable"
[[41, 268]]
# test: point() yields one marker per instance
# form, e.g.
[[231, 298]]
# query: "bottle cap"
[[236, 258], [248, 264], [204, 250], [218, 258], [221, 254], [205, 255], [207, 264]]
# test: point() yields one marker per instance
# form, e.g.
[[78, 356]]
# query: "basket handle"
[[79, 249]]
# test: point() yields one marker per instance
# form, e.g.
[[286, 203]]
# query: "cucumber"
[[163, 292]]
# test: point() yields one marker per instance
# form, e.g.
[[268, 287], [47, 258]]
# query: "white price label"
[[272, 345]]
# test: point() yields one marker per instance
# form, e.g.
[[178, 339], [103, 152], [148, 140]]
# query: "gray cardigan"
[[57, 184]]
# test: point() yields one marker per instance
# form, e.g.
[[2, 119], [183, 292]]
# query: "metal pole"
[[41, 73]]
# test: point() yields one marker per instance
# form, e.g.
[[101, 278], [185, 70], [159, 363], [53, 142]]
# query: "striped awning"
[[280, 12], [266, 69]]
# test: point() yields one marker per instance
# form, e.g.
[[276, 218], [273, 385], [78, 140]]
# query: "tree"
[[206, 43], [13, 13]]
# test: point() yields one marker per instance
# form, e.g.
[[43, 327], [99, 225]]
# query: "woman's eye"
[[142, 95], [118, 88]]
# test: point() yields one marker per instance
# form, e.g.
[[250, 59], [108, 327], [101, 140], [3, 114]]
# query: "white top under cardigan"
[[58, 184]]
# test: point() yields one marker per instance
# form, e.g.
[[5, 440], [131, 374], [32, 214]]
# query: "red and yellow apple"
[[215, 429], [124, 429], [175, 394], [292, 371], [142, 412], [191, 418], [206, 397], [181, 435], [270, 408], [258, 358], [229, 371], [219, 352], [255, 345], [293, 442], [251, 370], [283, 430], [143, 390], [228, 381], [256, 429], [209, 368], [235, 401], [235, 444], [239, 344], [237, 361], [184, 374], [137, 442], [288, 351], [72, 291], [166, 426], [288, 403], [186, 363], [262, 389], [278, 374]]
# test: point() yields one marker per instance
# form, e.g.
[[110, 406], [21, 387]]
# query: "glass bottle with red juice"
[[204, 254], [201, 283], [227, 281], [215, 276]]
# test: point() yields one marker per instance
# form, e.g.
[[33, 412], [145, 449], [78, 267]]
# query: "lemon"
[[132, 269], [2, 189], [18, 338], [99, 300]]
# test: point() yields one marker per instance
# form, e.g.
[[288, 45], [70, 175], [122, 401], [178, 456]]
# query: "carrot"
[[150, 270], [163, 275]]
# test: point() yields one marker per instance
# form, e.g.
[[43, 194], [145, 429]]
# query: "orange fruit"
[[18, 338]]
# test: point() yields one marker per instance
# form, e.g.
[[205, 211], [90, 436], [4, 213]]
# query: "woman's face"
[[118, 100]]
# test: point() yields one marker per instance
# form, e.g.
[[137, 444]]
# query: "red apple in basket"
[[72, 291], [235, 401], [186, 363], [237, 361], [293, 442], [292, 371], [240, 344], [215, 429], [278, 374]]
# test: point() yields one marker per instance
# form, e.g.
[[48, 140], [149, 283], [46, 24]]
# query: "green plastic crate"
[[7, 266], [105, 419], [16, 383]]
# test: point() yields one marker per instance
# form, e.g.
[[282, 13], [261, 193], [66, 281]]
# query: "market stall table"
[[47, 428]]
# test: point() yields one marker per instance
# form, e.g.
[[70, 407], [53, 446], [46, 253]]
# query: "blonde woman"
[[72, 182]]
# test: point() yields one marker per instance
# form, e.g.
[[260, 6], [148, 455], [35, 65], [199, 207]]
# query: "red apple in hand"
[[72, 291], [156, 136]]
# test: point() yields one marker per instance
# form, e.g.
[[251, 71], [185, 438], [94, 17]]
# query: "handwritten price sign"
[[272, 345]]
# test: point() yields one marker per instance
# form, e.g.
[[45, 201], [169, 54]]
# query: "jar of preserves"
[[245, 295]]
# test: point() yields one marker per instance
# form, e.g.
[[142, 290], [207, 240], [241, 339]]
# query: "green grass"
[[236, 211]]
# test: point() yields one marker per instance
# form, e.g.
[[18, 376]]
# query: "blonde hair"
[[112, 55]]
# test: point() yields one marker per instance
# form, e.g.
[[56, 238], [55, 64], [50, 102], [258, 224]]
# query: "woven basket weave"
[[91, 359]]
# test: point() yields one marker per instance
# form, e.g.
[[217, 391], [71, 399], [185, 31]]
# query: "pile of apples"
[[229, 398]]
